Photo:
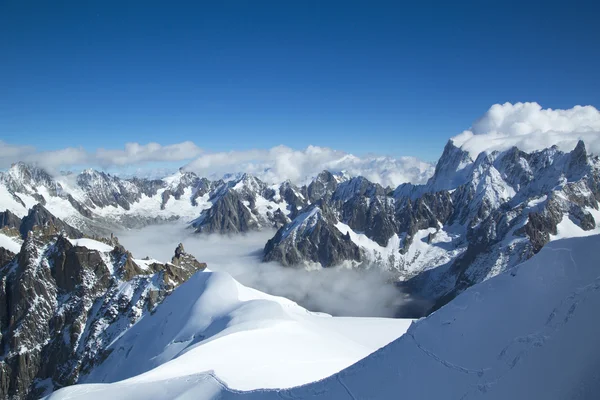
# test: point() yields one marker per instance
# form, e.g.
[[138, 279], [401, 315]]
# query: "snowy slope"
[[10, 243], [248, 339], [528, 333]]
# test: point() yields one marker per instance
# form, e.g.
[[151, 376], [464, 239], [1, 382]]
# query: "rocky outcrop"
[[40, 221], [473, 219], [182, 267], [9, 223], [6, 256], [62, 305], [227, 215], [312, 238], [321, 188]]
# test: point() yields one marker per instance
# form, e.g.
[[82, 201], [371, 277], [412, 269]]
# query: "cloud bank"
[[135, 153], [530, 127], [132, 154], [273, 165], [525, 125], [299, 166]]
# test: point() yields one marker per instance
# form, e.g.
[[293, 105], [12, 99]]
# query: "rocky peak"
[[179, 251], [27, 178], [452, 168], [9, 222], [40, 221], [62, 304], [578, 157], [312, 237], [322, 187], [227, 215], [185, 261]]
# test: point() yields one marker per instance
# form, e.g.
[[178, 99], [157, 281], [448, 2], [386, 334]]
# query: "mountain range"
[[472, 219], [74, 301]]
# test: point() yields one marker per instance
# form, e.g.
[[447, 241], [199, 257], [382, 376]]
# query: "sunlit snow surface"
[[528, 333], [91, 244], [10, 243], [248, 339]]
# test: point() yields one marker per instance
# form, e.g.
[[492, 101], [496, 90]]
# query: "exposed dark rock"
[[39, 220], [166, 195], [9, 223], [314, 239], [322, 187], [62, 305], [83, 210], [227, 215], [5, 256]]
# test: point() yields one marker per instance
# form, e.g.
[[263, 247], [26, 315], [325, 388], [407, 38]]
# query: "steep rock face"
[[292, 195], [227, 215], [64, 300], [9, 223], [451, 171], [5, 256], [246, 204], [321, 188], [105, 190], [39, 219], [365, 207], [312, 237], [62, 304], [428, 211], [492, 213]]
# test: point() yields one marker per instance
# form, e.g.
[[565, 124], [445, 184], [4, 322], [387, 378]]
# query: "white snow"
[[421, 255], [92, 245], [567, 228], [248, 339], [9, 243], [145, 264], [303, 223], [528, 333]]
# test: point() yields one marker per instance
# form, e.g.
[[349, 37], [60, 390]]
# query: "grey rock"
[[40, 220]]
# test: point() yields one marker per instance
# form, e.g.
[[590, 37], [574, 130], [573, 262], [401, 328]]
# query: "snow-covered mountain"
[[528, 333], [78, 309], [96, 202], [472, 220], [76, 306], [66, 297]]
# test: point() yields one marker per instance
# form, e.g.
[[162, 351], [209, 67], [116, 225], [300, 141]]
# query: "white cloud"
[[132, 154], [281, 162], [530, 127], [47, 159], [9, 152], [135, 153], [272, 165]]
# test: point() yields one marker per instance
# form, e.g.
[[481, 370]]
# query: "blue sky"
[[390, 78]]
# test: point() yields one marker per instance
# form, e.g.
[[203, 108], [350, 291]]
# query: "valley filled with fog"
[[337, 291]]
